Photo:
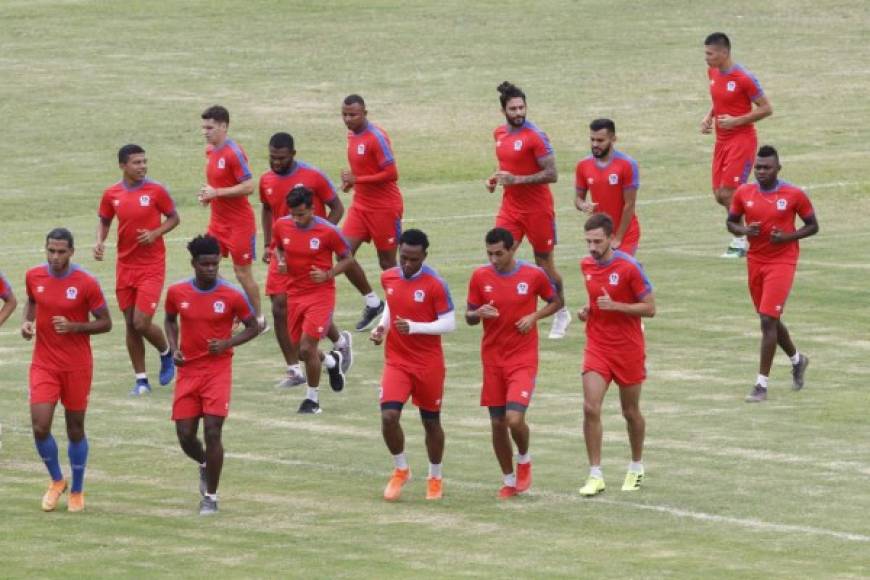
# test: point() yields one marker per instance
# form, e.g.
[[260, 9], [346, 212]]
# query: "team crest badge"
[[71, 293], [361, 149], [522, 288], [518, 145], [219, 307], [781, 204], [144, 200], [731, 86], [222, 163], [419, 296], [314, 243], [613, 279], [613, 178]]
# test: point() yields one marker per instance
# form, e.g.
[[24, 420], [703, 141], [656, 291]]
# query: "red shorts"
[[240, 244], [203, 391], [139, 287], [71, 388], [382, 227], [539, 227], [769, 286], [503, 385], [276, 282], [309, 316], [624, 368], [425, 386], [733, 160]]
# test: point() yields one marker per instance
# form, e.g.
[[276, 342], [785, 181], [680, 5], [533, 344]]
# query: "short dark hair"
[[60, 234], [300, 195], [203, 245], [599, 220], [496, 235], [768, 151], [414, 237], [354, 100], [126, 151], [718, 39], [282, 141], [599, 124], [508, 91], [217, 113]]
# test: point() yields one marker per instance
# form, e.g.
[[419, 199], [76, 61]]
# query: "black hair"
[[496, 235], [599, 124], [354, 100], [768, 151], [203, 245], [599, 220], [126, 151], [718, 39], [508, 91], [282, 141], [414, 237], [217, 113], [300, 195], [60, 234]]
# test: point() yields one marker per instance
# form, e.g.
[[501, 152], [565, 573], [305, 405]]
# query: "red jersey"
[[518, 151], [5, 287], [733, 93], [206, 314], [606, 184], [274, 188], [623, 278], [515, 294], [137, 208], [369, 152], [73, 295], [772, 209], [307, 247], [422, 298], [227, 166]]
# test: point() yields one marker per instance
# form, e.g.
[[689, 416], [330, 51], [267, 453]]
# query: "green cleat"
[[593, 486], [632, 482]]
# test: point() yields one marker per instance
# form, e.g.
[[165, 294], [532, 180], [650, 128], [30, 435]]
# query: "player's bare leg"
[[245, 276], [374, 306], [799, 362], [435, 451], [769, 340], [629, 398], [594, 389], [501, 446], [394, 437], [214, 451], [186, 430], [288, 350], [562, 318], [738, 246]]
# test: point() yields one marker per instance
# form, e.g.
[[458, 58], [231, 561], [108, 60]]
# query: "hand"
[[61, 324], [146, 237], [217, 346], [706, 125], [403, 326], [583, 314], [282, 266], [487, 311], [505, 178], [584, 206], [178, 358], [726, 121], [753, 229], [378, 334], [526, 323], [28, 330], [267, 255], [777, 236], [604, 302], [490, 183], [348, 180], [99, 251], [206, 194], [319, 276]]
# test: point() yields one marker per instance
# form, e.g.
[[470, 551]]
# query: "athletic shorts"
[[276, 282], [311, 316], [139, 287], [539, 227], [238, 243], [769, 286], [70, 387], [624, 368], [504, 385], [382, 227], [424, 386], [733, 160], [203, 391]]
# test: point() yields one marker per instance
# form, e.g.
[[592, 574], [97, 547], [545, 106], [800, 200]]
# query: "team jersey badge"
[[419, 296], [522, 288], [361, 149], [518, 145], [219, 306], [731, 86], [613, 178], [222, 163], [314, 243], [613, 279], [144, 200], [781, 204], [71, 293]]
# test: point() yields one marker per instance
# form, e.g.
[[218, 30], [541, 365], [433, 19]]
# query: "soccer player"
[[526, 167], [768, 209], [8, 298], [285, 173], [620, 295], [738, 103], [419, 310], [61, 298], [304, 247], [207, 307], [228, 184], [376, 211], [504, 296], [611, 178], [139, 204]]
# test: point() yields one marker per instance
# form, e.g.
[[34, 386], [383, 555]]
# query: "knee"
[[212, 436], [768, 324], [75, 433], [390, 418], [632, 414], [386, 263], [41, 432], [279, 309], [307, 351], [591, 410], [141, 324], [516, 420], [185, 435]]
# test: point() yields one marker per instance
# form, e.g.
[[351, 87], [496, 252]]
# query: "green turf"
[[775, 490]]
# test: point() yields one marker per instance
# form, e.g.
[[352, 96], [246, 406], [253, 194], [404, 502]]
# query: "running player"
[[228, 184], [611, 178], [526, 167], [286, 173], [207, 307], [139, 204], [620, 294], [61, 298], [734, 90], [769, 208], [504, 296], [419, 310], [304, 248], [8, 298]]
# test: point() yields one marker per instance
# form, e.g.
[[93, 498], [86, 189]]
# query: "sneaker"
[[167, 369], [756, 395], [309, 407], [203, 481], [346, 352], [369, 314], [593, 486], [560, 324], [507, 492], [336, 374], [400, 477], [632, 482], [797, 373], [434, 487], [52, 495], [208, 506], [524, 477], [734, 251], [142, 387], [76, 502], [263, 325], [291, 380]]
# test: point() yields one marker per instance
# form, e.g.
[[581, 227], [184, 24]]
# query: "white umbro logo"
[[390, 291], [750, 203], [40, 289], [524, 394], [185, 305], [487, 288], [116, 202]]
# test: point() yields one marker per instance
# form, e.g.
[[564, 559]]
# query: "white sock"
[[311, 393], [526, 458], [211, 496], [341, 342], [329, 361], [636, 466], [202, 464], [400, 461], [564, 310], [295, 370], [796, 358], [435, 470], [510, 480], [595, 471], [261, 319], [372, 300], [141, 376], [761, 381]]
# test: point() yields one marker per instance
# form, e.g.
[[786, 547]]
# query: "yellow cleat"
[[52, 495], [76, 502], [593, 486], [632, 481], [400, 477], [434, 488]]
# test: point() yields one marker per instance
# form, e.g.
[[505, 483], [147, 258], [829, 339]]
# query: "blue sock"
[[78, 458], [47, 449]]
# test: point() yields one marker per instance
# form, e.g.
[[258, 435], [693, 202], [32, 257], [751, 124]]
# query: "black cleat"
[[797, 373], [309, 407], [368, 316], [336, 373]]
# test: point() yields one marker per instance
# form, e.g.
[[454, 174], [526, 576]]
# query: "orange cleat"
[[433, 488], [400, 477], [76, 502], [524, 477], [52, 495], [507, 492]]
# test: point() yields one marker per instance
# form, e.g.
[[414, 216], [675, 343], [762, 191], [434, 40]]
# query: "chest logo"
[[116, 202], [144, 200], [222, 163], [731, 86], [590, 180], [613, 178], [613, 279], [361, 149], [314, 243], [588, 277], [219, 307], [781, 204], [390, 291], [268, 191], [522, 288], [185, 305], [518, 145], [40, 289], [487, 288], [419, 296], [750, 203], [71, 293]]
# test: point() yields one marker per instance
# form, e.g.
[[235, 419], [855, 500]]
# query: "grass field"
[[778, 490]]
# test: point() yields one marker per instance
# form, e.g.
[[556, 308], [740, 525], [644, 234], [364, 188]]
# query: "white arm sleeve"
[[385, 318], [446, 323]]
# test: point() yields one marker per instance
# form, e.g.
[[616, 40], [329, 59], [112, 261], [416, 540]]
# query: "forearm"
[[240, 189], [336, 212], [171, 328], [444, 324], [266, 222], [472, 317], [99, 325], [170, 223], [546, 175], [103, 230], [245, 335], [342, 266], [550, 309], [8, 308], [29, 311], [736, 228], [387, 174], [625, 220], [638, 309], [756, 114]]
